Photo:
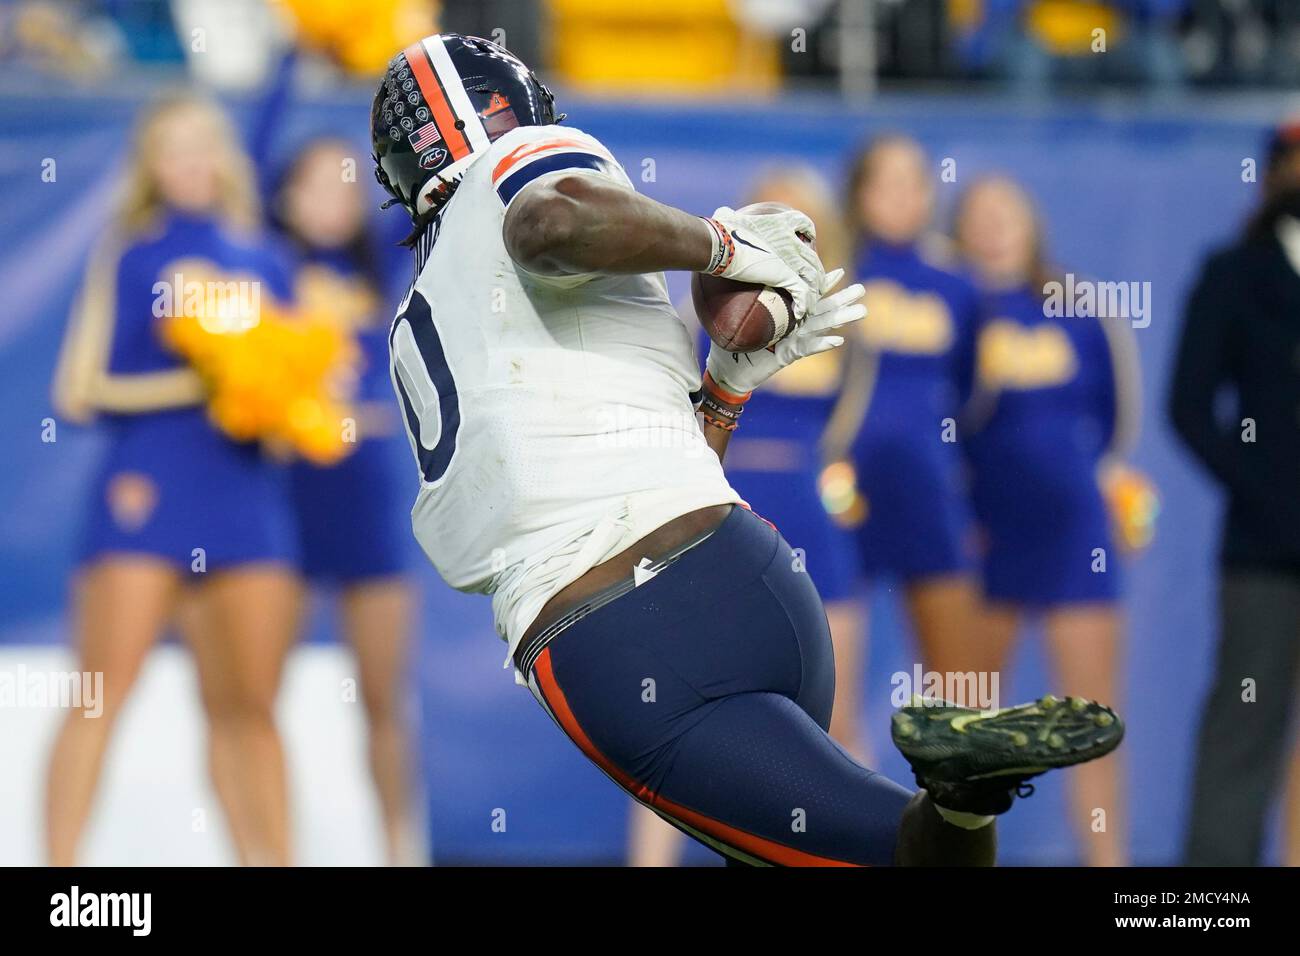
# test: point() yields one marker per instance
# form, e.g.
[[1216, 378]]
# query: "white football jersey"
[[550, 417]]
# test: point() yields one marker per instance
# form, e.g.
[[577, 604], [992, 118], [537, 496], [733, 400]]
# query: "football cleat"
[[977, 761]]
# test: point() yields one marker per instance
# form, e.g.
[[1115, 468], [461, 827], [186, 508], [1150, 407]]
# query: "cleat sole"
[[956, 744]]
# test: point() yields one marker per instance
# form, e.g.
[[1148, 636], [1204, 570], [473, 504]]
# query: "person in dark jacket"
[[1241, 336]]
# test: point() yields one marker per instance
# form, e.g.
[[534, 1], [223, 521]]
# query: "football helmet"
[[443, 101]]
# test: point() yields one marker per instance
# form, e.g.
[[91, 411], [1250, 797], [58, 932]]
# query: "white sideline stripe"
[[456, 95], [156, 805]]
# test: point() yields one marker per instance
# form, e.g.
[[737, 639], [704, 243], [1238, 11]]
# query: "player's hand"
[[742, 372], [773, 249]]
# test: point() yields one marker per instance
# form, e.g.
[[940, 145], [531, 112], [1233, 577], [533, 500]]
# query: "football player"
[[551, 398]]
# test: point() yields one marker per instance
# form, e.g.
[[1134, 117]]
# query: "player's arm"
[[717, 440], [718, 412], [576, 224]]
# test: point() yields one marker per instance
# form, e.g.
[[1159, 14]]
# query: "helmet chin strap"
[[421, 221]]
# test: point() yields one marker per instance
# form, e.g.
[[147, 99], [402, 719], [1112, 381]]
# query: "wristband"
[[720, 408], [724, 248], [710, 386], [726, 426]]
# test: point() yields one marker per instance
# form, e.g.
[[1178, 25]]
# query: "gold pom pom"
[[285, 379]]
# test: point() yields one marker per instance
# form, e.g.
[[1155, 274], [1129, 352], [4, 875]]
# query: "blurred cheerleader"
[[352, 517], [177, 506], [353, 522], [895, 470], [774, 466], [1055, 410]]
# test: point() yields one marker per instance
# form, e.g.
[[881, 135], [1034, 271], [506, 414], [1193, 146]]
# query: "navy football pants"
[[706, 693]]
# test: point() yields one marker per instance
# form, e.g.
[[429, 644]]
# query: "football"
[[741, 316]]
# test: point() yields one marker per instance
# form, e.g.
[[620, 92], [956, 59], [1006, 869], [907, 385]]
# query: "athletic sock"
[[967, 821]]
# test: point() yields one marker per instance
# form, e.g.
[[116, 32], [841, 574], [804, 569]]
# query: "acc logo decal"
[[432, 158]]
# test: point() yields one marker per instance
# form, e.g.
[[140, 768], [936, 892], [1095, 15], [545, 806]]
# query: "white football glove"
[[741, 372], [765, 249]]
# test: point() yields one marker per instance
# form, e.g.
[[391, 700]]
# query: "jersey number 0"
[[425, 387]]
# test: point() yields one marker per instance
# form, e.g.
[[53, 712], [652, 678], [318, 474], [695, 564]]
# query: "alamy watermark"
[[220, 306], [20, 688], [977, 690], [1085, 298], [625, 426]]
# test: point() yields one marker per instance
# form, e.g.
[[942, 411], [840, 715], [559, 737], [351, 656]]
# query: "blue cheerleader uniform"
[[774, 460], [909, 375], [353, 519], [1048, 400], [171, 485]]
